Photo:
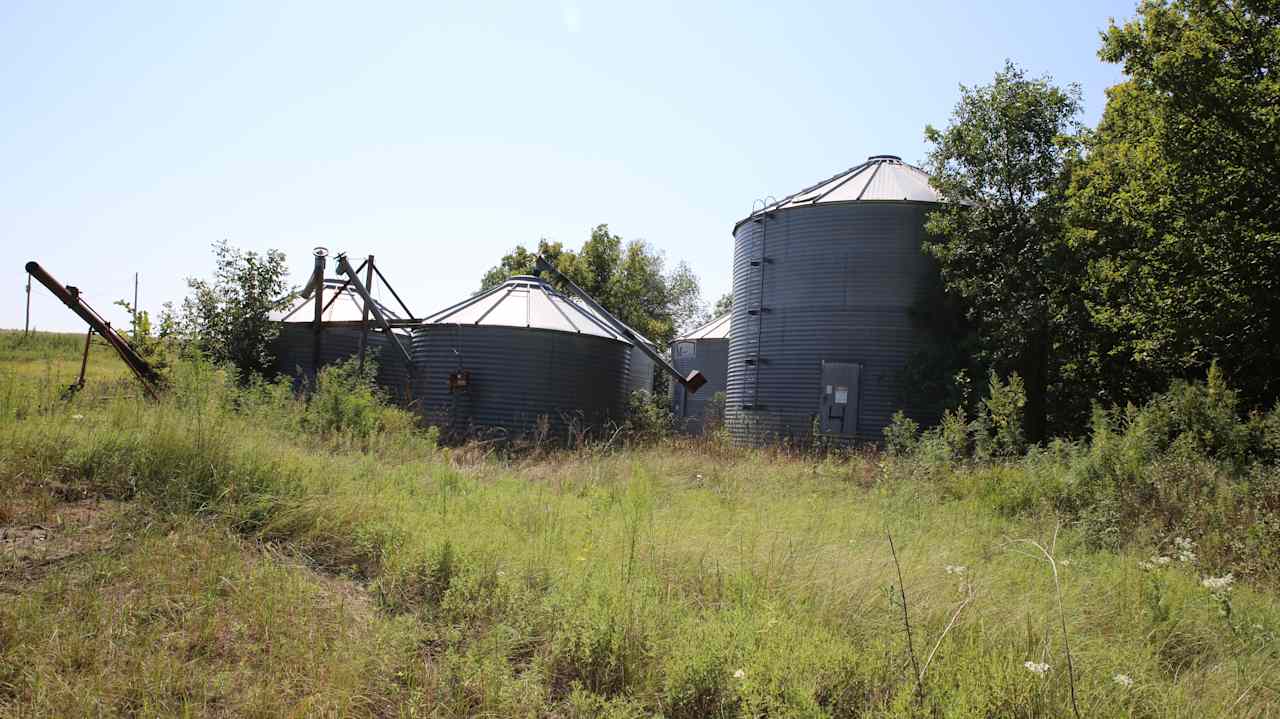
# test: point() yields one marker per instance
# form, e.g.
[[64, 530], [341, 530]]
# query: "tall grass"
[[683, 579]]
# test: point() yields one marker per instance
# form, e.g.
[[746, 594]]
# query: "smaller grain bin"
[[520, 361], [339, 339], [707, 349]]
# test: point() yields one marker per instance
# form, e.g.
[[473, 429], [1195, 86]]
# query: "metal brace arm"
[[344, 267]]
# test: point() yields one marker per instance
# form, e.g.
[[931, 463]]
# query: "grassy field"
[[234, 552]]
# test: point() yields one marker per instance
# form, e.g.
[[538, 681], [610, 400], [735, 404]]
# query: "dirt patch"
[[29, 551]]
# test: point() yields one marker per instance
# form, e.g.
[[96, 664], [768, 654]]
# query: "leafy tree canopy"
[[226, 317], [722, 305], [1000, 237], [1175, 204], [628, 278]]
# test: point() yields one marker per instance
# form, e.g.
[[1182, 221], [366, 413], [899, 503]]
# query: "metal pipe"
[[70, 296], [84, 361], [317, 326], [26, 327], [341, 288], [364, 313], [344, 268], [690, 383]]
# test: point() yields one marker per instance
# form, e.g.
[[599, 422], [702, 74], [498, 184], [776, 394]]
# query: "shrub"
[[713, 416], [1003, 406], [954, 433], [1204, 417], [346, 402], [902, 435], [155, 349], [648, 418]]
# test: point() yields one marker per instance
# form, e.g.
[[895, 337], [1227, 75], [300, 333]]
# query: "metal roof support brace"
[[364, 313], [690, 383], [344, 268], [382, 277], [317, 325]]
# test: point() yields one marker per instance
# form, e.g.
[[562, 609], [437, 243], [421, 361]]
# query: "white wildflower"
[[1036, 667], [1161, 561], [955, 569], [1219, 584], [1185, 547], [1123, 680], [1146, 566], [1065, 563], [77, 417], [739, 674]]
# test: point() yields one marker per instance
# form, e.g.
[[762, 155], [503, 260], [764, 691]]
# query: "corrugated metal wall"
[[518, 375], [640, 375], [838, 285], [709, 356], [293, 350]]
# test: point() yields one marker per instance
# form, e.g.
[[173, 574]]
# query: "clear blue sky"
[[440, 135]]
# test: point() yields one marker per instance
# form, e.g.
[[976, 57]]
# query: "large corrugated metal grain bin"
[[519, 361], [705, 349], [641, 374], [824, 283], [339, 339]]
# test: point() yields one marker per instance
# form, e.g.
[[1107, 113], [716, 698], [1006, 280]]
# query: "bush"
[[954, 432], [1003, 406], [648, 418], [902, 435], [347, 402], [713, 416]]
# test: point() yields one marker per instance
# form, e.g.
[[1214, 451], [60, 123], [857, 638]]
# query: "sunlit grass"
[[681, 579]]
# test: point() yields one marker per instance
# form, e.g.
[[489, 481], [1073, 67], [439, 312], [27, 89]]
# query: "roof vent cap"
[[893, 158]]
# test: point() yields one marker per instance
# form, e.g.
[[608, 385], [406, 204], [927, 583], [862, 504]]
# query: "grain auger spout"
[[151, 380], [690, 383]]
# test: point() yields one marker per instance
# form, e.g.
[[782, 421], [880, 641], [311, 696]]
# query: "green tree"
[[628, 278], [226, 317], [521, 261], [601, 255], [1000, 238], [723, 305], [1175, 205]]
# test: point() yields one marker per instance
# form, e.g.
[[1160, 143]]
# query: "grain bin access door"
[[838, 408]]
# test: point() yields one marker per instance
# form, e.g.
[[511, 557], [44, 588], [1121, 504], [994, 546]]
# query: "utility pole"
[[135, 303], [26, 328]]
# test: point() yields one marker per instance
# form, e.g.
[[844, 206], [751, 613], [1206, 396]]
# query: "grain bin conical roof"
[[881, 178], [347, 307], [717, 329], [526, 301]]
